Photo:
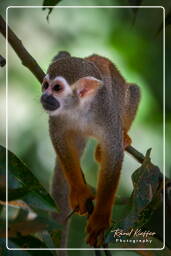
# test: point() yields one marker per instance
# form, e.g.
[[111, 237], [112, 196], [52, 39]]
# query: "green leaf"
[[135, 10], [48, 240], [56, 236], [145, 199], [36, 195], [13, 194], [168, 18], [37, 201], [29, 242], [1, 207], [24, 227], [5, 252], [50, 3], [12, 182], [21, 216]]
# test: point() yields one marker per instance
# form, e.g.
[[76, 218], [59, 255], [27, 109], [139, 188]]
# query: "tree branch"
[[136, 154], [25, 57]]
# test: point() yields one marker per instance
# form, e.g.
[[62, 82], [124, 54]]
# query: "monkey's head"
[[69, 83]]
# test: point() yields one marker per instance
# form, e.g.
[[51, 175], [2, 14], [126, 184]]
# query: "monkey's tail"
[[134, 100], [135, 93]]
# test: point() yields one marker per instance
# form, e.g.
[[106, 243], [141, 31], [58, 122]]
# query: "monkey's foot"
[[97, 224], [127, 140], [79, 197]]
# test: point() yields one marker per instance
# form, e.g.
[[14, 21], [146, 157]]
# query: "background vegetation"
[[132, 42]]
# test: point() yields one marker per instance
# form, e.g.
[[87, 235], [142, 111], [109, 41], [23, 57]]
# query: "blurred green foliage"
[[131, 43]]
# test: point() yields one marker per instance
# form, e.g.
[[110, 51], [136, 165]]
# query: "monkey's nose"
[[49, 102]]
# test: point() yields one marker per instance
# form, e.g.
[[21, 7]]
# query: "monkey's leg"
[[111, 161], [127, 142], [69, 158], [132, 105], [60, 191]]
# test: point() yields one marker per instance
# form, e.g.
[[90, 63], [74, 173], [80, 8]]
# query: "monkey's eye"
[[57, 87], [45, 85]]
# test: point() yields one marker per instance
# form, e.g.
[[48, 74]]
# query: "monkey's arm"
[[69, 156], [111, 161]]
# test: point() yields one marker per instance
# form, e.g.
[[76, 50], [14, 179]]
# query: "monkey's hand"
[[127, 140], [78, 199], [97, 224]]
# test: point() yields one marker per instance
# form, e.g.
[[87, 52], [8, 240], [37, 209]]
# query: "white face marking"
[[67, 88], [54, 112], [59, 96], [64, 95], [61, 80]]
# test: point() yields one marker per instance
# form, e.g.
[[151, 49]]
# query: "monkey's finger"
[[89, 229], [91, 239], [100, 239], [77, 209], [83, 212], [70, 214], [95, 238]]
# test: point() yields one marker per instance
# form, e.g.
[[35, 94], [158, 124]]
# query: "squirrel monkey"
[[89, 98]]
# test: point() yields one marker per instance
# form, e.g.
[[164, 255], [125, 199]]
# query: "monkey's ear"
[[87, 86], [61, 54]]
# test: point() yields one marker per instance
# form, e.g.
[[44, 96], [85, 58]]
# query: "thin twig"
[[70, 214], [136, 154], [25, 57]]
